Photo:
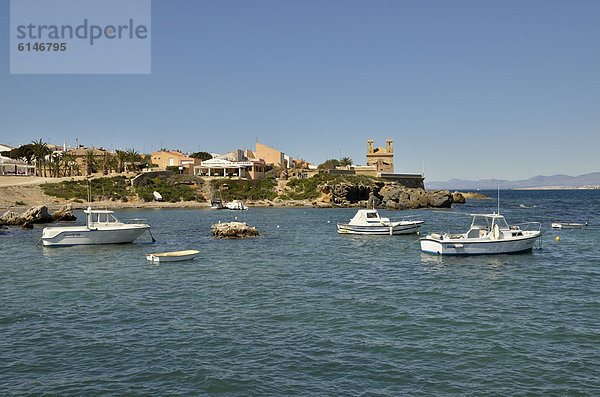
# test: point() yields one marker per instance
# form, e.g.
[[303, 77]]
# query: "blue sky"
[[471, 89]]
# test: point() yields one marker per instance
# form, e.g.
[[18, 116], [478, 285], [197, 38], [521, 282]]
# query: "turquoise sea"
[[305, 311]]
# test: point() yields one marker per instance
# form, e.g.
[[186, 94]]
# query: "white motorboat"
[[101, 228], [236, 205], [172, 256], [216, 203], [489, 234], [368, 221]]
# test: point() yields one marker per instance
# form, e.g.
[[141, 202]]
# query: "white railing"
[[528, 226], [410, 218]]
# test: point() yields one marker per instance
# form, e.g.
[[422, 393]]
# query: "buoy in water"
[[557, 238], [235, 218]]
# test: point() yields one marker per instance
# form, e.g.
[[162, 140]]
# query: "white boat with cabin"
[[216, 203], [101, 228], [172, 256], [236, 205], [489, 234], [368, 221]]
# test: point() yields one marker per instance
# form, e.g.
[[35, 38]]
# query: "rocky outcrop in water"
[[35, 215], [233, 230], [385, 195], [64, 214]]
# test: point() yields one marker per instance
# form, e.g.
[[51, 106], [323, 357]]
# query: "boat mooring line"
[[151, 236], [410, 245]]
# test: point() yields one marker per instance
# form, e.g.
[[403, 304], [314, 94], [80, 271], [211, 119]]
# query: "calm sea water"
[[305, 311]]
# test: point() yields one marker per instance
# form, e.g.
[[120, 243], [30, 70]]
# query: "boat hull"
[[407, 228], [86, 236], [488, 247], [172, 256]]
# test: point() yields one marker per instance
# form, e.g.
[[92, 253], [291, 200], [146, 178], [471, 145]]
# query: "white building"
[[5, 148], [10, 166], [223, 168]]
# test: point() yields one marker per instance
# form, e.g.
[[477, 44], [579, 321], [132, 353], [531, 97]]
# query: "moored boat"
[[489, 234], [173, 256], [567, 225], [101, 228], [368, 221], [236, 205], [216, 203]]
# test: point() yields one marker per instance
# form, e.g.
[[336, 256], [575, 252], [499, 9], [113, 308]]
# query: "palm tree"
[[121, 157], [75, 169], [55, 163], [346, 161], [68, 160], [133, 156], [90, 161], [40, 151], [106, 162]]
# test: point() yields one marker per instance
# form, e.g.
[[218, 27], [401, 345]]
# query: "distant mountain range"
[[540, 181]]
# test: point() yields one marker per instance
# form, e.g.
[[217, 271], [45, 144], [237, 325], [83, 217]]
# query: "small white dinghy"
[[563, 225], [172, 256]]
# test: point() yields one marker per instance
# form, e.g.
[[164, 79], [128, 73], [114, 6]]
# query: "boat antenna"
[[498, 199]]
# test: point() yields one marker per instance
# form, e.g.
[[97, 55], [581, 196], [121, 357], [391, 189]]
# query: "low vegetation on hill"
[[308, 189], [172, 188], [322, 189], [114, 188], [246, 190]]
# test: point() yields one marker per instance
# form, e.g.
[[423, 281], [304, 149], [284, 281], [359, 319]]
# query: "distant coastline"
[[559, 188], [590, 181]]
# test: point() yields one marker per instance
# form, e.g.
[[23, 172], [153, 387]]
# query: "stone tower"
[[382, 158]]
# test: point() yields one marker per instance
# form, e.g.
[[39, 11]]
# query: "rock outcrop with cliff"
[[385, 195], [35, 215]]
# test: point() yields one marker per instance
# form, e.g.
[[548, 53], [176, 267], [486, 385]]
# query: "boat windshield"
[[372, 215], [480, 222], [501, 222], [102, 218]]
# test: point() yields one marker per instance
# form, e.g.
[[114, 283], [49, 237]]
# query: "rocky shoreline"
[[388, 195], [36, 215]]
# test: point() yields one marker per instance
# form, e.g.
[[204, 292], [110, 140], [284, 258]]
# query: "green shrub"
[[20, 203], [169, 191], [112, 188], [263, 189], [308, 189]]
